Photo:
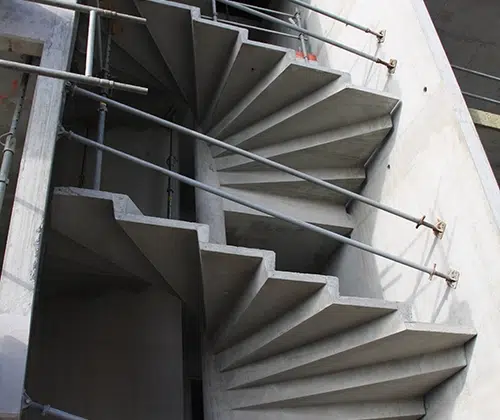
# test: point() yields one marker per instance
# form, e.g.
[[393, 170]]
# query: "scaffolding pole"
[[72, 77], [438, 229], [451, 278], [10, 139], [391, 65], [77, 7]]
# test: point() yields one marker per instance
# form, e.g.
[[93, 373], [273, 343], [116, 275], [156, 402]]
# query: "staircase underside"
[[277, 344]]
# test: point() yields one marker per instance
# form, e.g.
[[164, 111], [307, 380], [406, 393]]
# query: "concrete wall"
[[433, 164], [114, 356], [28, 28]]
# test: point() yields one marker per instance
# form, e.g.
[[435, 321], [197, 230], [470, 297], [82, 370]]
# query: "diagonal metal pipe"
[[390, 65], [275, 165], [379, 35], [300, 223]]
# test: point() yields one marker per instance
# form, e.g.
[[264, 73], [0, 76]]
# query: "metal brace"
[[394, 63], [451, 281], [454, 277], [439, 229], [382, 36]]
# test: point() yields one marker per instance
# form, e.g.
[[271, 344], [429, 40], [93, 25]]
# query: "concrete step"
[[171, 26], [314, 114], [290, 80], [172, 247], [322, 315], [213, 45], [266, 298], [88, 218], [226, 270], [385, 339], [399, 379], [249, 63], [282, 184], [345, 147], [136, 41], [249, 228], [386, 410]]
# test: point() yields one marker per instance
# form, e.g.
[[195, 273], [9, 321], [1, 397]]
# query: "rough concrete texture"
[[432, 164], [114, 355], [51, 28], [313, 333]]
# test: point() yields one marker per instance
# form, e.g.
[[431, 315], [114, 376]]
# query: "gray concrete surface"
[[288, 82], [52, 29], [267, 297], [170, 24], [313, 114], [348, 146], [433, 164], [213, 46], [116, 355]]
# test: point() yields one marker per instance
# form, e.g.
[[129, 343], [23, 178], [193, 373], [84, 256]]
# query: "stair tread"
[[213, 44], [253, 61], [385, 339], [283, 184], [401, 379], [176, 259], [314, 114], [322, 315], [277, 293], [87, 217], [290, 80], [345, 147], [136, 41], [170, 25], [225, 272], [386, 410]]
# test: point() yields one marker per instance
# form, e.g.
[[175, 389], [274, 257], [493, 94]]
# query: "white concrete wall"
[[31, 29], [117, 356], [433, 164]]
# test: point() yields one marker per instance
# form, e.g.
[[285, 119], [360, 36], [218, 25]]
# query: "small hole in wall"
[[252, 69], [425, 88], [388, 166]]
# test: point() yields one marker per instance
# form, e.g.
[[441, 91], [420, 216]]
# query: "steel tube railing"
[[250, 155], [244, 25], [264, 9], [278, 215], [390, 65], [10, 141], [77, 7], [379, 35], [73, 77], [89, 57], [482, 98], [477, 73]]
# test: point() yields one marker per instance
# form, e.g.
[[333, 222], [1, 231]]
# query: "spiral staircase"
[[278, 344]]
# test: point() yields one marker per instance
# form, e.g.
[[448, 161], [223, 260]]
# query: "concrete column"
[[53, 29], [209, 207]]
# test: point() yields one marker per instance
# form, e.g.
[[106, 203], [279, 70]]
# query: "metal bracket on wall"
[[381, 37], [440, 229], [452, 281]]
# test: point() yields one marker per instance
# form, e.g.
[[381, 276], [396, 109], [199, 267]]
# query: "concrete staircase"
[[278, 345], [262, 98]]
